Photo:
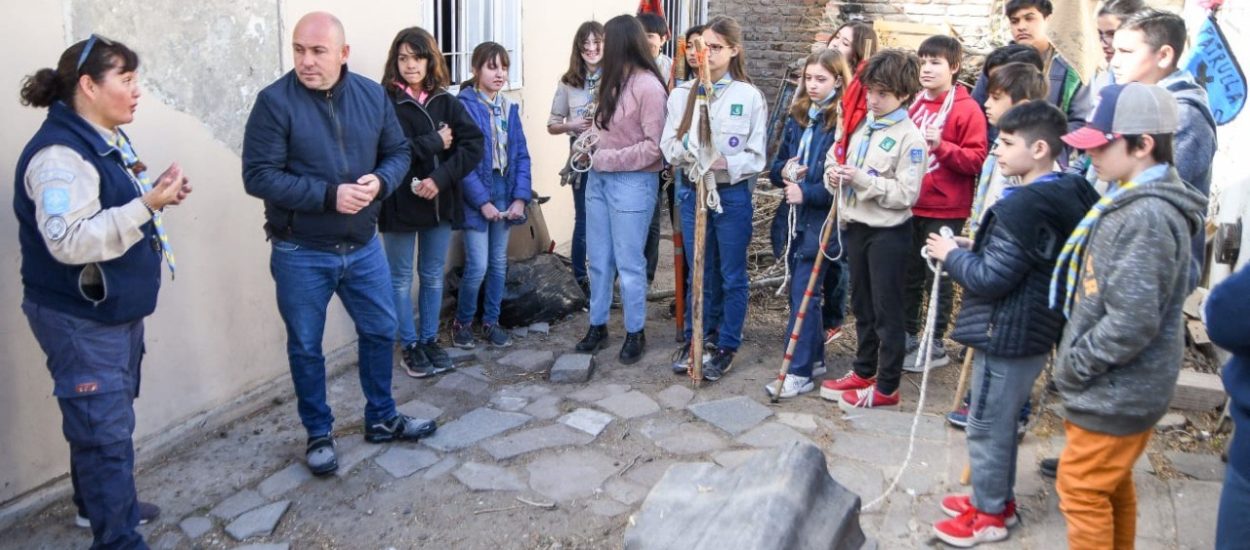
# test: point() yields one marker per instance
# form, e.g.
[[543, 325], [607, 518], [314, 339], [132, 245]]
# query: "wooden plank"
[[1195, 302], [1198, 391], [906, 35], [1198, 333]]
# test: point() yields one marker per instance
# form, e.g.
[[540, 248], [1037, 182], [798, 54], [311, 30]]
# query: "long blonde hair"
[[831, 60]]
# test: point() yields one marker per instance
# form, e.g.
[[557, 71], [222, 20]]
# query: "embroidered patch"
[[735, 109], [54, 228], [55, 201], [873, 172], [54, 174], [917, 156], [888, 143], [87, 387], [734, 141]]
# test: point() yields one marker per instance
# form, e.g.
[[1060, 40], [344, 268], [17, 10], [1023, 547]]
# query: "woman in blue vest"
[[92, 242]]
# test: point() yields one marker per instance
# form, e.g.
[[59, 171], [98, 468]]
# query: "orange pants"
[[1095, 486]]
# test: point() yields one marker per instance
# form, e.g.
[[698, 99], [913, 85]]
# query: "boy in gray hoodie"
[[1121, 280]]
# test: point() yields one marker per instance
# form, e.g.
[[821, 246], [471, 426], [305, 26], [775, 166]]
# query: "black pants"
[[875, 255], [652, 249], [920, 277]]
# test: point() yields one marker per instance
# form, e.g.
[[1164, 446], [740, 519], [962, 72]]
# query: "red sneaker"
[[832, 334], [956, 505], [868, 398], [971, 528], [831, 390]]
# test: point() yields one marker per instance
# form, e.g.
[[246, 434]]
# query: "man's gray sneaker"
[[321, 456], [438, 357], [911, 347], [914, 362], [400, 427]]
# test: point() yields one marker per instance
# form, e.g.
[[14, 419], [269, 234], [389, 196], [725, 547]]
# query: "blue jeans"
[[485, 258], [810, 348], [578, 254], [728, 235], [431, 258], [621, 203], [95, 373], [1231, 529], [1000, 387], [305, 279]]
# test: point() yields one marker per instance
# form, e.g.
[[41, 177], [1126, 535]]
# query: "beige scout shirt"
[[888, 184]]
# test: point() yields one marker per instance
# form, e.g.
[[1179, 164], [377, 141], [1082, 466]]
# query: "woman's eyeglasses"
[[86, 50]]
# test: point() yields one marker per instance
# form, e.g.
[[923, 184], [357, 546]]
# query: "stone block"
[[195, 526], [402, 462], [1198, 391], [541, 328], [573, 368], [487, 477], [631, 404], [443, 466], [734, 415], [689, 439], [461, 382], [461, 356], [530, 440], [510, 403], [420, 409], [352, 451], [675, 396], [625, 492], [587, 420], [607, 508], [802, 422], [544, 408], [571, 475], [1155, 513], [1197, 507], [520, 332], [260, 521], [277, 484], [772, 434], [796, 505], [478, 372], [732, 459], [475, 426], [865, 480], [238, 503], [897, 423], [597, 392], [1203, 467], [527, 360]]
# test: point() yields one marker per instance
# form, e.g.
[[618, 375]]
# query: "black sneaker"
[[1049, 467], [400, 427], [416, 363], [631, 351], [438, 358], [681, 358], [321, 456], [596, 339], [722, 360], [462, 335], [147, 513], [496, 336]]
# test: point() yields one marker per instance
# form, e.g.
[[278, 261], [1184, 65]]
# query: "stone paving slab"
[[542, 328], [631, 404], [195, 526], [885, 450], [546, 407], [236, 504], [353, 450], [265, 546], [772, 434], [402, 462], [732, 459], [608, 508], [596, 392], [528, 391], [477, 372], [527, 360], [488, 477], [676, 396], [1197, 507], [802, 422], [1155, 512], [260, 521], [510, 403], [865, 480], [690, 438], [734, 415], [534, 439], [420, 409], [573, 368], [625, 492], [648, 473], [474, 426], [284, 480], [570, 475], [461, 382], [1203, 467], [898, 423], [447, 464], [461, 356], [587, 420]]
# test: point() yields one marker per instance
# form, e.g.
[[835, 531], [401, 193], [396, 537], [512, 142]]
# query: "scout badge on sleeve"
[[1215, 69]]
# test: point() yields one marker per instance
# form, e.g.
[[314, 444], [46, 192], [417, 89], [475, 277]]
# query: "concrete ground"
[[520, 462]]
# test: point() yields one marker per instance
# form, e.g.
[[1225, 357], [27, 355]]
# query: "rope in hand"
[[926, 341]]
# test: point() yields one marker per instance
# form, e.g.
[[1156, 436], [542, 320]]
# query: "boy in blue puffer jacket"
[[1005, 316], [813, 127], [495, 196]]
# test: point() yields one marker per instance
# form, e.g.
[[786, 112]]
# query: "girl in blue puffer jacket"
[[495, 196]]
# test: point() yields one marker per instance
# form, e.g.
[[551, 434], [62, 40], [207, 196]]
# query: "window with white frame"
[[682, 14], [460, 25]]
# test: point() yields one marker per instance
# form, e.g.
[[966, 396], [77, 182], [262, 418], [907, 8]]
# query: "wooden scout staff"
[[679, 253], [702, 176]]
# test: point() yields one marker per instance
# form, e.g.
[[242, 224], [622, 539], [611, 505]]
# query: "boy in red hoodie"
[[954, 128]]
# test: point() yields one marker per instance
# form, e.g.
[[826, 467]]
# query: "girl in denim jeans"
[[495, 195]]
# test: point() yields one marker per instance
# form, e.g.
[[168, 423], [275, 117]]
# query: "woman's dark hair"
[[1163, 150], [895, 71], [424, 47], [48, 86], [625, 52], [831, 60], [1020, 81], [863, 42], [487, 53], [653, 23], [696, 30], [576, 75]]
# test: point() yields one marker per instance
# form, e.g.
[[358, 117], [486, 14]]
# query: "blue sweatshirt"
[[1228, 325]]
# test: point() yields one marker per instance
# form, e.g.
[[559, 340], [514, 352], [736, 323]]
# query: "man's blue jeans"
[[431, 244], [305, 280], [621, 203], [728, 235]]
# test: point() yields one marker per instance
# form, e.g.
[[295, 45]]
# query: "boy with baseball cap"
[[1121, 280]]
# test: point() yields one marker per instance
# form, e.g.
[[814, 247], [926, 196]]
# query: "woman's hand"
[[425, 189], [170, 188], [516, 210], [444, 131], [490, 212], [577, 125]]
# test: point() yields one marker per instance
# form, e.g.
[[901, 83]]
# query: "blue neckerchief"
[[874, 124], [719, 86], [138, 172], [499, 122], [813, 112]]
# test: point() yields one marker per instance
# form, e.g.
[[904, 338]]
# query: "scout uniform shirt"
[[887, 184], [739, 129]]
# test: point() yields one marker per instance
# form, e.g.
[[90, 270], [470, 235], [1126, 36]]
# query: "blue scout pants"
[[728, 235]]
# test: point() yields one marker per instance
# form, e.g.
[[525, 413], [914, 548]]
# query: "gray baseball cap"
[[1128, 109]]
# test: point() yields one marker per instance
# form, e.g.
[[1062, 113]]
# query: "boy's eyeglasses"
[[86, 50]]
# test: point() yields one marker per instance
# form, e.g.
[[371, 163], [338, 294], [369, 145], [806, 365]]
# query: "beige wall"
[[216, 333]]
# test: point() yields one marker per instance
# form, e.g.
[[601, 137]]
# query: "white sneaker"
[[792, 386], [914, 362]]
